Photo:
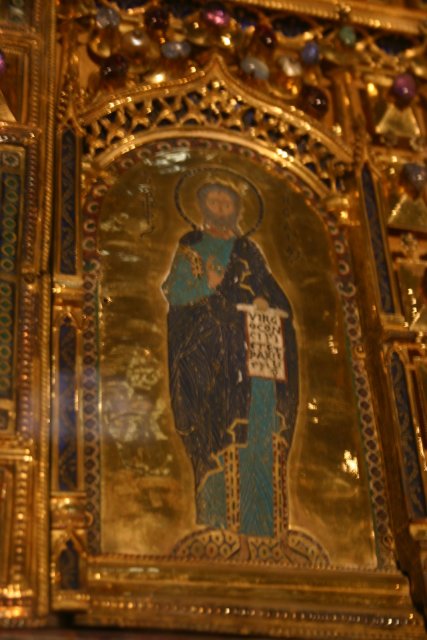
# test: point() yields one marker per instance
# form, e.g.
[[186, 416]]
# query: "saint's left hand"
[[261, 304]]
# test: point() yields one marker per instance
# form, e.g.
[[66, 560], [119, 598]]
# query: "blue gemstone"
[[310, 53], [291, 26], [175, 50], [245, 17], [255, 67]]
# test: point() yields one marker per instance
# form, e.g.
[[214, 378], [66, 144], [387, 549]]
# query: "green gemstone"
[[347, 35]]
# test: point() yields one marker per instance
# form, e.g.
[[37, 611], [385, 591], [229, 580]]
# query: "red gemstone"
[[114, 67], [314, 101], [266, 36], [156, 19]]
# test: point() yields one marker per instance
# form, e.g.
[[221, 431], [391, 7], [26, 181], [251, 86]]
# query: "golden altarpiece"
[[213, 315]]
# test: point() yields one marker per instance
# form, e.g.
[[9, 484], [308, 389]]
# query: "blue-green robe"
[[227, 419]]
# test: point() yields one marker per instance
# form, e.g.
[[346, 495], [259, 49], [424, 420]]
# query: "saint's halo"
[[188, 185]]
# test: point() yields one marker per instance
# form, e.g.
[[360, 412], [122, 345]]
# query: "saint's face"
[[220, 204]]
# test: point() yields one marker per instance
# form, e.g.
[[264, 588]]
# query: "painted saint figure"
[[236, 425]]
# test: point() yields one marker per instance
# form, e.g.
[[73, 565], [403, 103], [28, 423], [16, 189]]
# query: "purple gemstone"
[[114, 67], [314, 101], [216, 14], [3, 63], [266, 36], [310, 53], [404, 88], [156, 18]]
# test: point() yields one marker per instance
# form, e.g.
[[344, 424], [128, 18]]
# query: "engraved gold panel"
[[136, 257]]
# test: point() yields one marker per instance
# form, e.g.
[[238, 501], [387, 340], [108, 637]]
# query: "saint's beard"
[[230, 223]]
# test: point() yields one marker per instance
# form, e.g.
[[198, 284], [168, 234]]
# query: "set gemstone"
[[156, 18], [310, 53], [134, 42], [255, 67], [107, 17], [404, 88], [216, 15], [175, 50], [414, 178], [114, 67], [265, 36], [348, 36], [314, 101], [290, 66]]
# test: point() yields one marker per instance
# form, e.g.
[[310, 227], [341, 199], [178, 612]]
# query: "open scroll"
[[266, 343]]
